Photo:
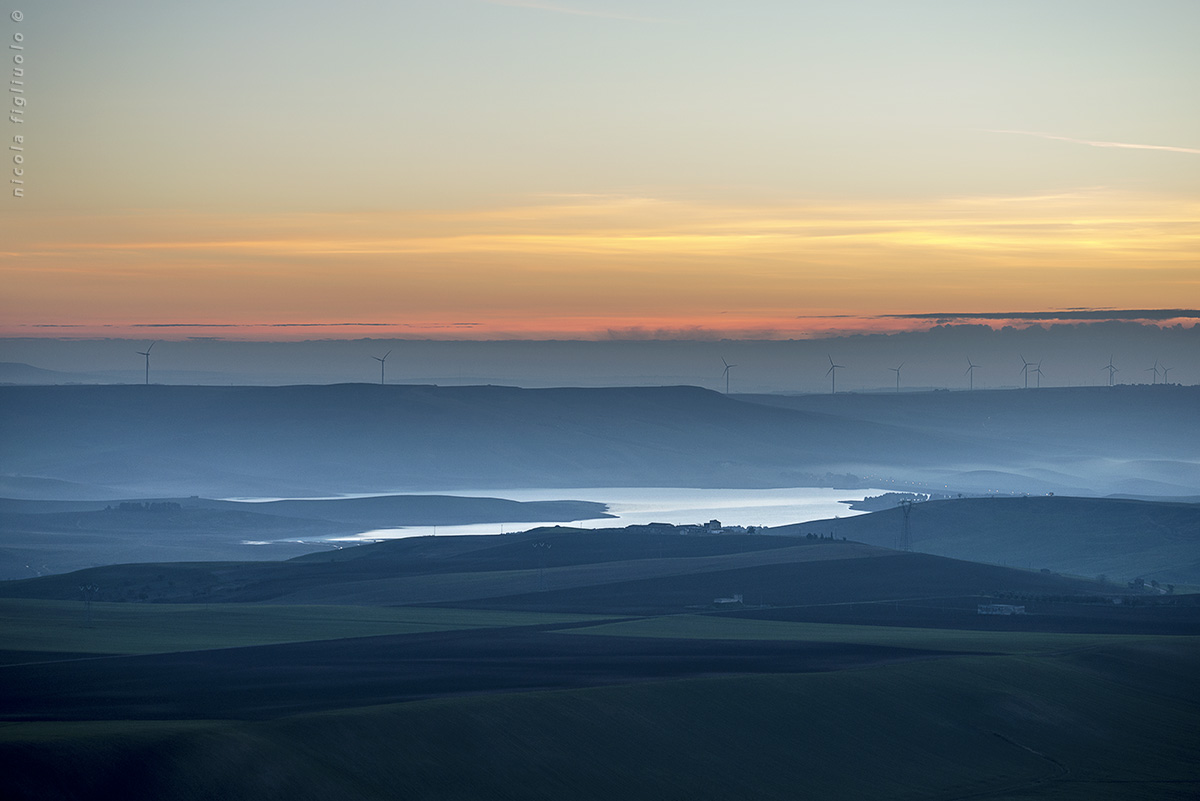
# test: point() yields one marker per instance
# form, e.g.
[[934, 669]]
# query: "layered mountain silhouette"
[[304, 440]]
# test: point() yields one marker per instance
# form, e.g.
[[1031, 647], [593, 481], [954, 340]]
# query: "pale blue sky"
[[566, 169], [384, 104]]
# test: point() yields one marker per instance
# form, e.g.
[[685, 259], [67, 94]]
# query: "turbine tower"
[[1166, 370], [1025, 370], [1153, 378], [381, 360], [832, 373], [728, 367], [1110, 370], [905, 531], [541, 548], [146, 353], [971, 374], [1038, 370], [896, 370]]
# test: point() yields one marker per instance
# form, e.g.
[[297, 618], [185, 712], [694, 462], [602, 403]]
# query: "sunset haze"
[[470, 169]]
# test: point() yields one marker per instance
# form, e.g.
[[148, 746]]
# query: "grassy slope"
[[806, 574], [1027, 715], [1115, 722], [46, 627], [728, 628], [426, 569]]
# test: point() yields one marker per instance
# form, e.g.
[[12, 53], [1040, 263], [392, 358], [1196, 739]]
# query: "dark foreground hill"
[[1120, 539], [444, 671], [319, 440], [1112, 722]]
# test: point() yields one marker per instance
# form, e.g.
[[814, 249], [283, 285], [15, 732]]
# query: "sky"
[[596, 169]]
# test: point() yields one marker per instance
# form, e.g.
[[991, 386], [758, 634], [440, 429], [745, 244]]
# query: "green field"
[[611, 683], [998, 642], [61, 626], [967, 727]]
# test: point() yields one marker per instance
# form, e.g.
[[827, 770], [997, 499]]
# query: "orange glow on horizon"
[[549, 329], [595, 267]]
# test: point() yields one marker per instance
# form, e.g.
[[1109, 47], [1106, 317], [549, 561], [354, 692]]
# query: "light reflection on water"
[[641, 505]]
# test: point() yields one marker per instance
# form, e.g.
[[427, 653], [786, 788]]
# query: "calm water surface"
[[640, 505]]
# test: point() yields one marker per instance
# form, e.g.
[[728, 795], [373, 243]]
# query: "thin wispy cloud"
[[1095, 143], [1068, 314], [577, 12]]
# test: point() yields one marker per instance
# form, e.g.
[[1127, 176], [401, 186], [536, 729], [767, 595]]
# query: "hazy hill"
[[1073, 354], [20, 373], [40, 537], [374, 511], [163, 440], [1137, 440], [1146, 422], [168, 440], [1122, 539]]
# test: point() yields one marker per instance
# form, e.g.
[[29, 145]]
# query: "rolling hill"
[[318, 440], [39, 537], [600, 666], [1136, 440], [1122, 539], [582, 571]]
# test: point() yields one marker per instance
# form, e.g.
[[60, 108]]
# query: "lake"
[[640, 505]]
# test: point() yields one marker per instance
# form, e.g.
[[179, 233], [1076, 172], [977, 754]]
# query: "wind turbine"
[[832, 372], [146, 353], [1153, 378], [1038, 370], [381, 361], [971, 373], [1166, 370], [728, 367], [1025, 370], [1110, 370], [896, 370]]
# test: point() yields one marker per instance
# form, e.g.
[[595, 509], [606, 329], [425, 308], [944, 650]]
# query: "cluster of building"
[[711, 527], [1001, 609]]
